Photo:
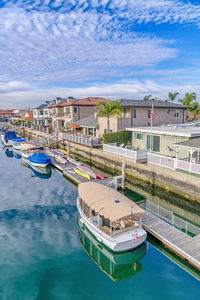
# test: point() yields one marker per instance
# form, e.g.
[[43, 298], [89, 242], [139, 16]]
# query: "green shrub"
[[119, 137]]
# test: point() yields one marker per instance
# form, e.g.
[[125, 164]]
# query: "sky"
[[108, 48]]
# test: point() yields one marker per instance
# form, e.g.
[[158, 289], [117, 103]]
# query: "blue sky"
[[116, 49]]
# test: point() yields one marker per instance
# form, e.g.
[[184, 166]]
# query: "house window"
[[62, 123], [45, 112], [67, 110], [138, 136], [41, 112], [105, 130], [155, 141], [176, 113], [35, 113], [124, 113], [134, 113], [149, 113], [168, 111], [75, 109], [54, 111]]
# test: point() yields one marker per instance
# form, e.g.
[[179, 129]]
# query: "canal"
[[45, 255]]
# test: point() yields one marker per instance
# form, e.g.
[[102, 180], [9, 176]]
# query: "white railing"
[[172, 163], [135, 155], [169, 217], [92, 142]]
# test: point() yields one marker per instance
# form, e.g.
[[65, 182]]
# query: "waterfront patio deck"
[[183, 245]]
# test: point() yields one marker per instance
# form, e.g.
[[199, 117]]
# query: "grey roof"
[[89, 121], [191, 143], [41, 106], [148, 103]]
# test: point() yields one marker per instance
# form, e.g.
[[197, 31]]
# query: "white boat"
[[8, 137], [27, 149], [17, 143], [60, 159], [112, 218]]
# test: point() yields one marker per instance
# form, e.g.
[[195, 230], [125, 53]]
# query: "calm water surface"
[[42, 257]]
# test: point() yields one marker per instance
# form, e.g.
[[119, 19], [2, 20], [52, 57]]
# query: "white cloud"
[[125, 89]]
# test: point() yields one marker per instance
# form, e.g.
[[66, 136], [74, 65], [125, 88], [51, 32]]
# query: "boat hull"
[[39, 165], [119, 243]]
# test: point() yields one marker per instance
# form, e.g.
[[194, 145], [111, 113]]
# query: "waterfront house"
[[69, 112], [42, 113], [6, 115], [137, 113]]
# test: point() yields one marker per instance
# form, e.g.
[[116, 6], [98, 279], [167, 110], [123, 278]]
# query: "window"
[[124, 113], [54, 111], [168, 111], [35, 112], [176, 113], [41, 112], [105, 130], [67, 110], [134, 113], [149, 114], [75, 109], [138, 136], [45, 112], [155, 140]]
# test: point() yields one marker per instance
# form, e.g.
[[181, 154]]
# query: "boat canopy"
[[19, 140], [39, 158], [27, 146], [107, 202], [10, 135]]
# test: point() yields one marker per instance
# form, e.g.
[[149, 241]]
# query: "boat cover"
[[39, 158], [18, 140], [10, 135]]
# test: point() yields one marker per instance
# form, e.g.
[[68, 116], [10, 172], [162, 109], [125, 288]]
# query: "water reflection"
[[118, 266], [8, 152], [17, 153], [43, 173]]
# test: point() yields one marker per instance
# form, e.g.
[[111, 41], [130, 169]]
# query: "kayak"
[[82, 173], [63, 151], [99, 177], [87, 171], [60, 159], [72, 161]]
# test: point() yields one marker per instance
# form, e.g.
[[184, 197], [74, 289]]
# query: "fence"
[[172, 163], [92, 142], [135, 155], [169, 217]]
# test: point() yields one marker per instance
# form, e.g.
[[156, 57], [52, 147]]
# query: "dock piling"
[[123, 175]]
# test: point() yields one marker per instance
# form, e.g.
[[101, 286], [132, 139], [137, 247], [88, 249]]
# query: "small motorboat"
[[59, 152], [27, 149], [82, 173], [72, 161], [17, 142], [44, 173], [39, 160], [60, 159], [112, 218], [8, 138], [86, 170], [50, 153]]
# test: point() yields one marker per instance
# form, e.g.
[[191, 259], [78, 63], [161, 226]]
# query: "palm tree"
[[146, 98], [109, 109], [188, 99], [172, 96]]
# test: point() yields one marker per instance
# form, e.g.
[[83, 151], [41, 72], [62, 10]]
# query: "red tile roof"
[[3, 112], [28, 116]]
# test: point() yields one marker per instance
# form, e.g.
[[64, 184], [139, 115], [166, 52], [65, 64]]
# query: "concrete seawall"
[[182, 184]]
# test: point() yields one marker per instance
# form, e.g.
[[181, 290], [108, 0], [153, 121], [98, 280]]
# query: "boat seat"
[[105, 229]]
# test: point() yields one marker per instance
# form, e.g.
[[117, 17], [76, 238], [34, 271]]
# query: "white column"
[[176, 161]]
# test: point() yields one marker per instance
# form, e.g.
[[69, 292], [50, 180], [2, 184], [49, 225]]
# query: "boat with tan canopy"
[[111, 217]]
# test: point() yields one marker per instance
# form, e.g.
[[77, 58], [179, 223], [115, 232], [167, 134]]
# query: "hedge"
[[119, 137]]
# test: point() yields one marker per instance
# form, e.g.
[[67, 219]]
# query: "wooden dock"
[[183, 245]]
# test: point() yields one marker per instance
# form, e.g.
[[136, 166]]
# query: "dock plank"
[[180, 243]]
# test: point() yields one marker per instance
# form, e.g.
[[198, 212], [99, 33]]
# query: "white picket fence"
[[88, 141], [172, 163], [135, 155]]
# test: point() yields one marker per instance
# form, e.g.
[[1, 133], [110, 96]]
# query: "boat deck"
[[183, 245]]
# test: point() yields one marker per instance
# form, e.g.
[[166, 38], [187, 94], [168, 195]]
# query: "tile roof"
[[148, 103], [7, 112], [89, 101], [28, 116]]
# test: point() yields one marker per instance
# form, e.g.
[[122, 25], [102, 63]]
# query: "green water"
[[42, 254]]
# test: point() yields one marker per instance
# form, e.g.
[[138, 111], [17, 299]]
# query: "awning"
[[107, 202], [73, 126]]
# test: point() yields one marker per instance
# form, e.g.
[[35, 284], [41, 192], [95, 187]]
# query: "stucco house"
[[71, 111], [164, 139], [137, 113]]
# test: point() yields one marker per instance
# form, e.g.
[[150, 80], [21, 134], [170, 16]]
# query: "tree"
[[172, 96], [188, 99], [109, 109], [146, 98]]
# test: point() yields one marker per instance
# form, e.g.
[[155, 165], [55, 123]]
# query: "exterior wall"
[[165, 141], [162, 116], [83, 112]]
